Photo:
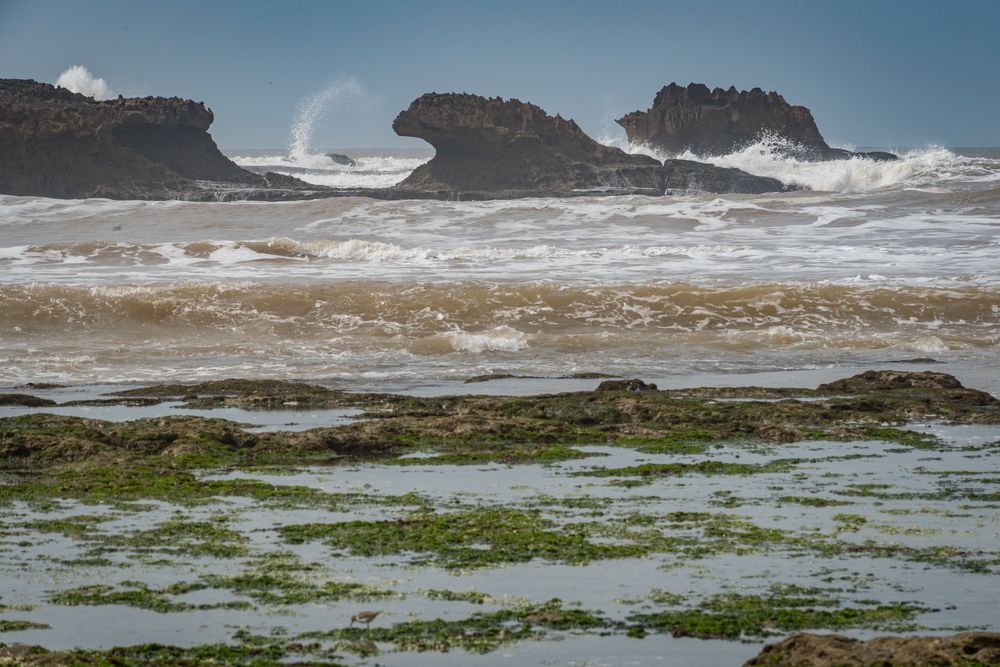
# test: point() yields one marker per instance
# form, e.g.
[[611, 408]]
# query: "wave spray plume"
[[310, 110]]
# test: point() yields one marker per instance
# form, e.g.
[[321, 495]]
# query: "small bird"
[[365, 617]]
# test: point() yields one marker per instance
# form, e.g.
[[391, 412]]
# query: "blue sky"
[[874, 72]]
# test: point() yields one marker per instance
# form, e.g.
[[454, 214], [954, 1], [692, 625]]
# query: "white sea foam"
[[369, 171], [857, 174], [346, 179], [78, 79], [499, 339], [769, 157]]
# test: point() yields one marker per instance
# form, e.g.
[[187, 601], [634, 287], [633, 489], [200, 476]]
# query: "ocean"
[[874, 263]]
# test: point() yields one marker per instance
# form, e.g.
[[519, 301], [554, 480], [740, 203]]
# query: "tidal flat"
[[683, 526]]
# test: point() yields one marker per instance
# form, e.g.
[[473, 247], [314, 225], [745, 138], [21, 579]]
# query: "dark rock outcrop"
[[340, 158], [718, 122], [809, 650], [634, 384], [889, 380], [513, 148], [25, 400], [55, 143]]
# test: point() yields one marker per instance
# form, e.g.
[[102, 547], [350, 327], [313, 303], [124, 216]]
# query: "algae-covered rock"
[[25, 400], [881, 380], [634, 384], [809, 650]]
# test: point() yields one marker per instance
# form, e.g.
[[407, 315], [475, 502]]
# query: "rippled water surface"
[[877, 262]]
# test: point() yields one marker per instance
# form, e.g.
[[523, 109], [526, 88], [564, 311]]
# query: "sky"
[[874, 72]]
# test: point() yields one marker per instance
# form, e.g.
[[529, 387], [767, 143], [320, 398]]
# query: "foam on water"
[[499, 339], [770, 157], [369, 171], [897, 261]]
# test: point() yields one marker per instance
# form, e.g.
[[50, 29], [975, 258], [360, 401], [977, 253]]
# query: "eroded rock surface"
[[55, 143], [718, 122], [809, 650], [888, 379], [513, 148]]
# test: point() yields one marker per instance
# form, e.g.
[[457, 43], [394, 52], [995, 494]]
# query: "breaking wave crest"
[[771, 156], [345, 250], [477, 317], [369, 171]]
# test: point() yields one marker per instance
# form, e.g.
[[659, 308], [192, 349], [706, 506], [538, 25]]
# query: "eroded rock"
[[718, 122], [809, 650], [634, 384], [55, 143], [887, 379], [511, 148], [25, 400]]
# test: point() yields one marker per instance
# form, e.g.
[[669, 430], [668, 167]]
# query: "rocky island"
[[718, 122], [56, 143], [513, 148]]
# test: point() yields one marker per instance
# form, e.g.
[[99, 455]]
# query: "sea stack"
[[56, 143], [718, 122], [513, 148]]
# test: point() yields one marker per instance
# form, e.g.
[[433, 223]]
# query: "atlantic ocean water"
[[869, 263]]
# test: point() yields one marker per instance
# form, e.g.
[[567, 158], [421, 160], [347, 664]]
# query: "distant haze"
[[889, 73]]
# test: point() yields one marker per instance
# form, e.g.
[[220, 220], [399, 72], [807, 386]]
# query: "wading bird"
[[365, 617]]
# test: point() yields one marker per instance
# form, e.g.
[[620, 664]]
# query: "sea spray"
[[770, 157], [310, 110], [78, 79], [773, 156]]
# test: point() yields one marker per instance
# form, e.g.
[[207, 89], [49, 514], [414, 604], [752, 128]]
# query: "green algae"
[[139, 595], [18, 626], [180, 536], [732, 616], [495, 453], [75, 527], [651, 471], [479, 633], [272, 584], [812, 501], [474, 597], [255, 654], [479, 537]]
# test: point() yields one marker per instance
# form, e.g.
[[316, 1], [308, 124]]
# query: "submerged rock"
[[809, 650], [718, 122], [512, 148], [55, 143], [340, 158]]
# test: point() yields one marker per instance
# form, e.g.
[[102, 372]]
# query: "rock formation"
[[809, 650], [718, 122], [340, 158], [56, 143], [513, 148]]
